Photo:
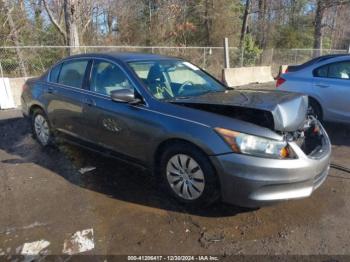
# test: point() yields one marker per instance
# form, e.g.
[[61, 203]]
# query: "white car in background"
[[326, 80]]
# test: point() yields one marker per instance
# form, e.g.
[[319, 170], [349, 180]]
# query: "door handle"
[[52, 90], [322, 85], [89, 101]]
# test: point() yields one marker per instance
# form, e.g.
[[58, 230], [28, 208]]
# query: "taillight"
[[280, 81]]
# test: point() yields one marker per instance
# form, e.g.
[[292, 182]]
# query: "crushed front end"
[[256, 181]]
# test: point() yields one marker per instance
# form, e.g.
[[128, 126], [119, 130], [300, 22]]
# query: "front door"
[[114, 125]]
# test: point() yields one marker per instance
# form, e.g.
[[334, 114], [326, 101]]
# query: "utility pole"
[[226, 53]]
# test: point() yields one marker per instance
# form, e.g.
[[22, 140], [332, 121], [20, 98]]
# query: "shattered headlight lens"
[[254, 145]]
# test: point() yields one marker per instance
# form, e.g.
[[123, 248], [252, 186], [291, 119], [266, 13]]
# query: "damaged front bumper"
[[254, 181]]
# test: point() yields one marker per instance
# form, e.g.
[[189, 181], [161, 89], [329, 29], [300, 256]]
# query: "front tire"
[[41, 128], [188, 175]]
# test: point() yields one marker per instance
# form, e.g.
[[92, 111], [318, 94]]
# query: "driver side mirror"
[[124, 96]]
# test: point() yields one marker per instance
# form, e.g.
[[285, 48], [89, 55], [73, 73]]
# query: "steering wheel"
[[182, 87]]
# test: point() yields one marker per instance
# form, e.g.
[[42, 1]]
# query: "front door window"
[[107, 77]]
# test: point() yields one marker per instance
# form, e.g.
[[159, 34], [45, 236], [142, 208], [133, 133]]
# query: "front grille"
[[310, 138], [312, 143]]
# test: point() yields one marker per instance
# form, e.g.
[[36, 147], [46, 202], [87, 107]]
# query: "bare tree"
[[71, 13], [208, 21], [15, 36], [261, 23], [73, 21], [244, 30], [321, 7], [244, 22]]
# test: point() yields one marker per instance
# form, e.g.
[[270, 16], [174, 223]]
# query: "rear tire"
[[315, 109], [41, 128], [188, 176]]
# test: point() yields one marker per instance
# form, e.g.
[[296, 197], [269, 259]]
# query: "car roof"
[[325, 57], [313, 61], [124, 56]]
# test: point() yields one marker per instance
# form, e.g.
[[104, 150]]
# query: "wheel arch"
[[33, 108], [215, 181], [315, 100], [167, 143]]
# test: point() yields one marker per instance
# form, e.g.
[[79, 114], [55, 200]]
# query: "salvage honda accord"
[[204, 140]]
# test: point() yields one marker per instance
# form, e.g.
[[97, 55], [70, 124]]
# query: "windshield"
[[171, 79]]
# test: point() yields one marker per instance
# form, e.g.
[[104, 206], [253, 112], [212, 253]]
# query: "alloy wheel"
[[42, 130]]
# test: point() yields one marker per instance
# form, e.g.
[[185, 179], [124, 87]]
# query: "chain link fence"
[[296, 56], [30, 61], [34, 60]]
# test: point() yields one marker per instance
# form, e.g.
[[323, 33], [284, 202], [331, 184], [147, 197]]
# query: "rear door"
[[65, 96], [332, 84]]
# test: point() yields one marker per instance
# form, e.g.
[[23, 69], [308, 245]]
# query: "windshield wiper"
[[211, 91], [177, 98], [192, 96]]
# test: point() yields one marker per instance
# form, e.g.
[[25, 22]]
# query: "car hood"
[[286, 110]]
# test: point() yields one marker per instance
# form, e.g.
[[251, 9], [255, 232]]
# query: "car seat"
[[157, 83], [72, 78]]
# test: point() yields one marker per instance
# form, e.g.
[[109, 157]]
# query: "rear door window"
[[321, 71], [72, 73], [339, 70], [55, 71]]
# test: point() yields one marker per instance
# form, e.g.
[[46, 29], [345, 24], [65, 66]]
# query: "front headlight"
[[254, 145]]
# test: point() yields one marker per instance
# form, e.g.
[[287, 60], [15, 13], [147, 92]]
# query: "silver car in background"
[[326, 80]]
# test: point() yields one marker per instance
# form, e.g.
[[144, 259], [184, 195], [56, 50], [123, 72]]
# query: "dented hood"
[[287, 109]]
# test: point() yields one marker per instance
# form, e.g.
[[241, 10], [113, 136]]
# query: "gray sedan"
[[203, 140], [326, 80]]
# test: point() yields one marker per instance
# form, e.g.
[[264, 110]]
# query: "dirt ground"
[[46, 196]]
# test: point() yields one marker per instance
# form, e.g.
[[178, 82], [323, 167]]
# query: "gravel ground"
[[66, 200]]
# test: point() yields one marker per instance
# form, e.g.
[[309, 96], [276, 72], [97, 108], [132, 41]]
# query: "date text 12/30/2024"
[[173, 258]]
